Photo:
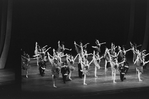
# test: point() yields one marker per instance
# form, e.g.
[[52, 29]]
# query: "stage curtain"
[[5, 31], [146, 35], [3, 25], [131, 26]]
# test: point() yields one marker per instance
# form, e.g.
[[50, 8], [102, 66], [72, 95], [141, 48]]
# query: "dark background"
[[47, 21]]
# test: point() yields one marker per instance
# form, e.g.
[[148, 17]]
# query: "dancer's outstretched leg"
[[84, 80], [106, 67], [69, 76], [54, 81], [114, 76], [26, 73], [139, 74], [95, 72]]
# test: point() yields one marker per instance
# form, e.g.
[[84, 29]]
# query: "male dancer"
[[42, 66], [65, 70], [123, 67]]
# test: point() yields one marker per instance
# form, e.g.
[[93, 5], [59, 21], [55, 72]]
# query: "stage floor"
[[7, 76], [8, 86], [37, 85]]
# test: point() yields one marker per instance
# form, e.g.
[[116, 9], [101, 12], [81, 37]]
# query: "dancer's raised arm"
[[36, 48], [146, 54], [128, 50], [75, 57], [64, 48], [95, 47], [44, 46], [76, 44], [47, 49], [131, 44], [90, 62], [145, 62], [85, 45], [98, 43]]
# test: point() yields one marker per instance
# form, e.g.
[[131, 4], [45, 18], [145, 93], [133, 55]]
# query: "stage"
[[7, 76], [8, 86], [36, 86]]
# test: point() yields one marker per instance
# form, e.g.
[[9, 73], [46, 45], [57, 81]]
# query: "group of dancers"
[[63, 63]]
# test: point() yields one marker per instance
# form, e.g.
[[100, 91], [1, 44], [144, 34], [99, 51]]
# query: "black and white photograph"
[[74, 49]]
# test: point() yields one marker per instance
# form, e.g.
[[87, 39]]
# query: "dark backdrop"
[[47, 21]]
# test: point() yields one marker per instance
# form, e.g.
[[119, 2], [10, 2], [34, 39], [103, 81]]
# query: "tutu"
[[140, 68], [55, 72], [71, 68]]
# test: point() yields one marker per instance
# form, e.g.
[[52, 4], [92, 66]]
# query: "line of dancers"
[[63, 63]]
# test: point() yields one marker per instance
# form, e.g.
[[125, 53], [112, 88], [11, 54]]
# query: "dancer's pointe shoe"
[[54, 86], [114, 82], [70, 79], [140, 80], [26, 76], [84, 84]]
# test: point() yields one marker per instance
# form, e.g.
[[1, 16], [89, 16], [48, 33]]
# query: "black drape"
[[6, 24], [3, 13]]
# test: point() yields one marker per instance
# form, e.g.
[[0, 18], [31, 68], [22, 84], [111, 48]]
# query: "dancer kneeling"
[[123, 68], [65, 71]]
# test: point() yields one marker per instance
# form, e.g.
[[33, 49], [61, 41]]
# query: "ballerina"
[[25, 63], [55, 69], [96, 61], [81, 47], [98, 45], [139, 64], [36, 52], [114, 64], [70, 61], [85, 69]]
